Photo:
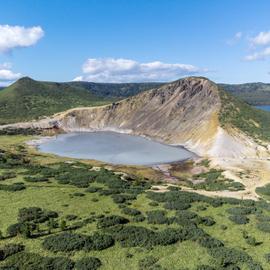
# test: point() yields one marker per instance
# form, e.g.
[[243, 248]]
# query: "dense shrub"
[[230, 256], [36, 179], [35, 214], [239, 219], [98, 242], [70, 241], [265, 190], [78, 194], [88, 263], [131, 211], [64, 242], [7, 175], [135, 236], [138, 218], [264, 227], [13, 187], [207, 221], [14, 229], [93, 189], [109, 221], [242, 210], [209, 242], [9, 250], [157, 217], [30, 261], [71, 217]]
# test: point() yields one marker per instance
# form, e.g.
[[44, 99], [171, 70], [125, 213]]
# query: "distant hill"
[[118, 90], [252, 93], [28, 99]]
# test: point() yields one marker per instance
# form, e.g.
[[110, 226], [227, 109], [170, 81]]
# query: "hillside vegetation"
[[252, 93], [252, 121], [28, 99], [120, 90], [67, 215]]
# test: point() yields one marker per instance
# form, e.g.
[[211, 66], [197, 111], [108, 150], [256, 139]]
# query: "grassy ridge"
[[28, 99], [235, 112]]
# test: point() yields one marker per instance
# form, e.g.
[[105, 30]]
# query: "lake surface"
[[264, 107], [115, 148]]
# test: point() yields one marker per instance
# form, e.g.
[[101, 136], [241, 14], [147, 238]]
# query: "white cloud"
[[260, 44], [7, 76], [235, 38], [261, 55], [18, 36], [263, 38], [127, 70]]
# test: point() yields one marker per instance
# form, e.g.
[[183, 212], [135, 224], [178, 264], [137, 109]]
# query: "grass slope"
[[27, 99], [252, 93], [237, 113]]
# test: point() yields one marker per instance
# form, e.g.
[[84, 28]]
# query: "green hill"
[[119, 90], [252, 93], [28, 99], [237, 113]]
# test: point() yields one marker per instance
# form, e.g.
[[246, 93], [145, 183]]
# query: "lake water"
[[264, 107], [115, 148]]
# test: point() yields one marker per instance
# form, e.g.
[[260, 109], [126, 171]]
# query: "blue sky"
[[139, 40]]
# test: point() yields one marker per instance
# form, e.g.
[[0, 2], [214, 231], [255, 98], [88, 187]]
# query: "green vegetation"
[[115, 90], [28, 99], [236, 113], [252, 93], [119, 222], [214, 180], [264, 191]]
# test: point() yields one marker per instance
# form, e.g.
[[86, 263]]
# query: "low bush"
[[98, 242], [30, 261], [131, 211], [157, 217], [10, 249], [78, 194], [109, 221], [88, 263], [92, 189], [264, 227], [242, 210], [7, 175], [13, 187], [71, 217], [239, 219], [36, 179], [35, 214], [69, 242], [207, 221], [64, 242]]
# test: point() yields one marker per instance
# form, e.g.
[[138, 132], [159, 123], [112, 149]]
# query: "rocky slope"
[[185, 112]]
